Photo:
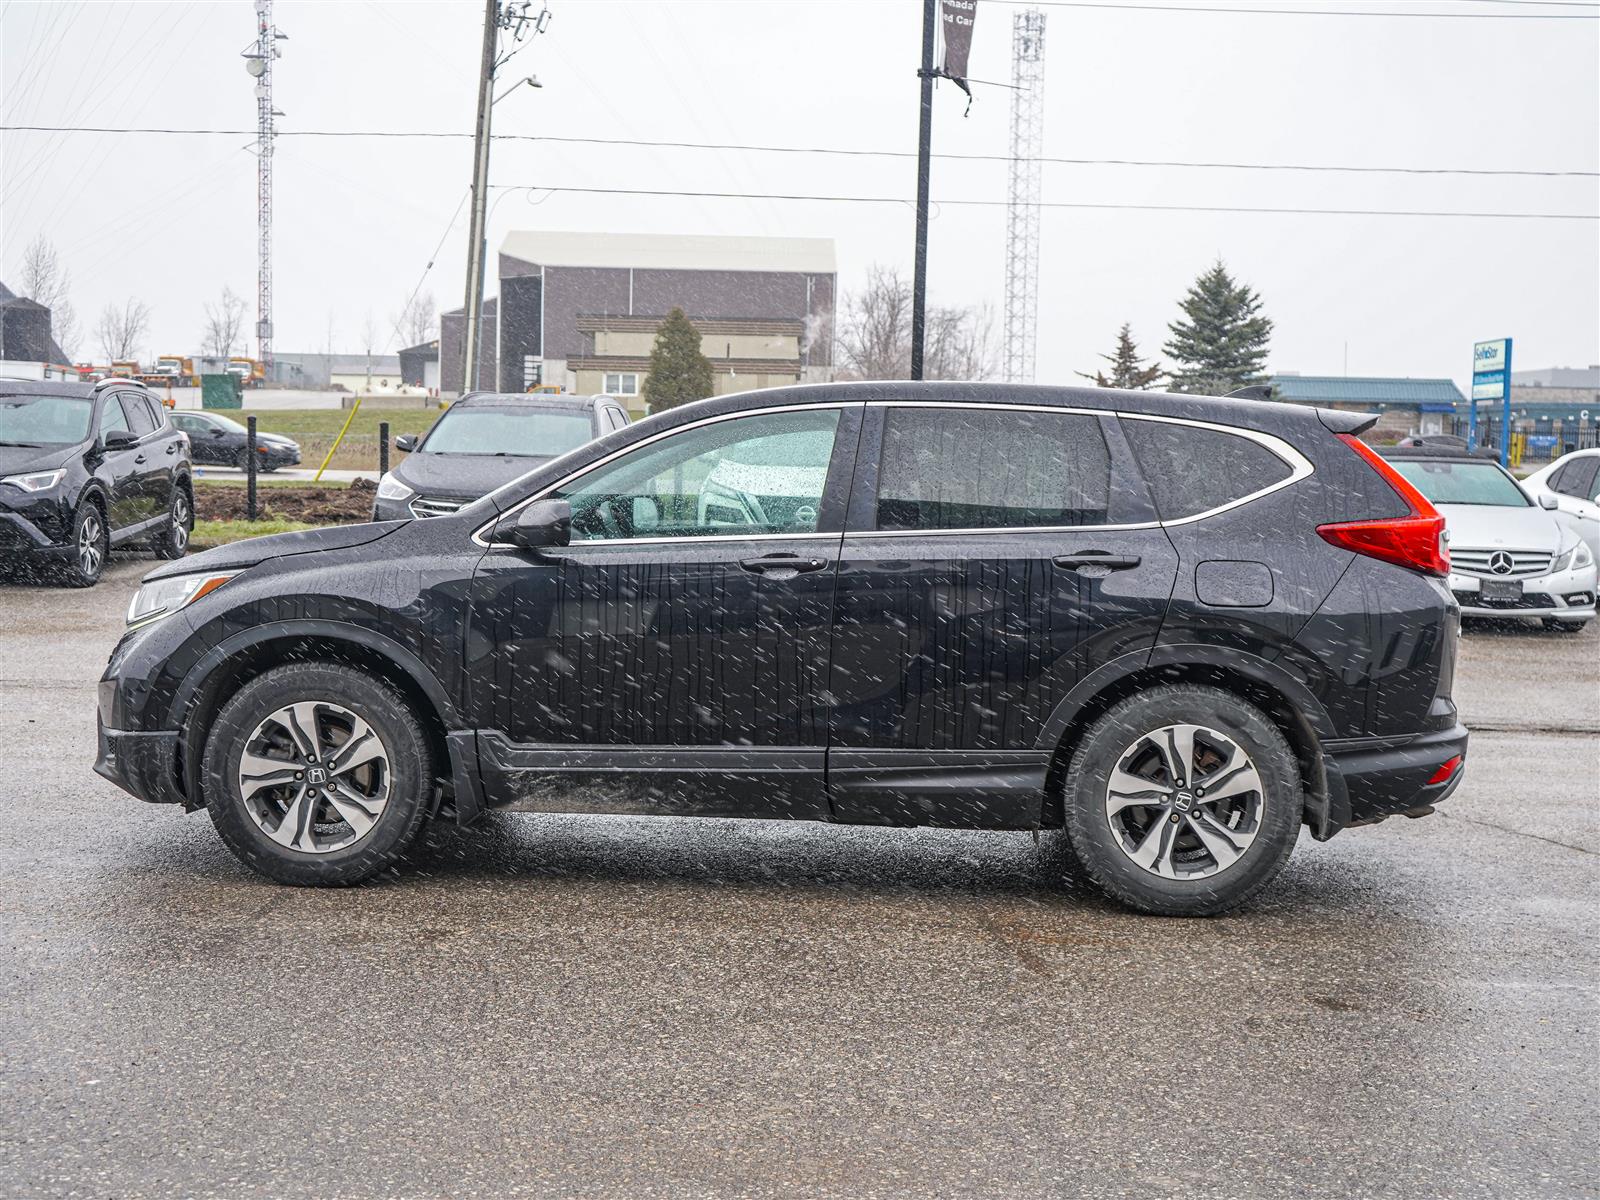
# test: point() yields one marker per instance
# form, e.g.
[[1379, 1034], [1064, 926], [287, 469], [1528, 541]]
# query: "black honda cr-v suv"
[[1180, 628]]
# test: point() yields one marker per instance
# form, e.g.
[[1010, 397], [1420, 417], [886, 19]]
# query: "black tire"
[[409, 764], [1555, 626], [1279, 803], [90, 546], [173, 541], [242, 460]]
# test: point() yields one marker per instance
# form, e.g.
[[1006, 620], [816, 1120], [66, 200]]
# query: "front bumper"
[[144, 765], [1562, 595], [1373, 778], [33, 524]]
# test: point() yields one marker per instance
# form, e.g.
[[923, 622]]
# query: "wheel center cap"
[[316, 775], [1183, 801]]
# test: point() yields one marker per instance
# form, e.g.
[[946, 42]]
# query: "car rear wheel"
[[91, 546], [317, 775], [1183, 801], [173, 540]]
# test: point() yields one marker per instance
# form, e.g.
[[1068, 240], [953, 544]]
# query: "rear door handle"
[[782, 566], [138, 458], [1097, 558], [172, 447]]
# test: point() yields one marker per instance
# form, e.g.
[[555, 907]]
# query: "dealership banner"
[[958, 15]]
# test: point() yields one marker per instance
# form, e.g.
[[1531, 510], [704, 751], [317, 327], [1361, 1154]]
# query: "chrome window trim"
[[1300, 468], [479, 535]]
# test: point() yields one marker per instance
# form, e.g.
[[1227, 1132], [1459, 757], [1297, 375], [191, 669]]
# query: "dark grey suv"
[[85, 467], [1180, 629]]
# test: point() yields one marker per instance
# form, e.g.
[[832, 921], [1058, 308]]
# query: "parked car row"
[[1180, 629]]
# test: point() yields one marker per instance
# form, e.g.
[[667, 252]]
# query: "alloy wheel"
[[1184, 802], [314, 777], [90, 556], [180, 522]]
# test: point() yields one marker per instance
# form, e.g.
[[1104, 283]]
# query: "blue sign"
[[1491, 380]]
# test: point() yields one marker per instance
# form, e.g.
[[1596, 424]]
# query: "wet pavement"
[[609, 1006]]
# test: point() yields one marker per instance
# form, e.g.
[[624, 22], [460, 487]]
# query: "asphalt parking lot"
[[605, 1006]]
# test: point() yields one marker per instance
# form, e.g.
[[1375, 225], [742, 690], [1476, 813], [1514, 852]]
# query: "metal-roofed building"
[[580, 311], [1403, 405]]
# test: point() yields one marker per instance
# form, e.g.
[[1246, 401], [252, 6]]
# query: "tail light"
[[1415, 540], [1446, 769]]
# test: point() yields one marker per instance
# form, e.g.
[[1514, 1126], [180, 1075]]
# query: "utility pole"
[[919, 273], [1022, 206], [258, 62], [476, 233]]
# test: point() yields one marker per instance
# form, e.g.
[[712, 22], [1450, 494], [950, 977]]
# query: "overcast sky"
[[173, 219]]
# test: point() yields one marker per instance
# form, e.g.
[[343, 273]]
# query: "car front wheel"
[[91, 545], [1183, 801], [317, 775]]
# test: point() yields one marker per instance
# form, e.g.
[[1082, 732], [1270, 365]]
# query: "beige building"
[[745, 353]]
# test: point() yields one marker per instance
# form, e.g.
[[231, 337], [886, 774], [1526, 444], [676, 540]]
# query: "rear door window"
[[1577, 477], [140, 419], [1192, 470], [995, 468]]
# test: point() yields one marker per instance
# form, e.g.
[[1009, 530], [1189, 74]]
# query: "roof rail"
[[118, 380]]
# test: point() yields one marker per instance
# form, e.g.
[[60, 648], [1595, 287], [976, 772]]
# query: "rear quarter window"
[[1192, 470]]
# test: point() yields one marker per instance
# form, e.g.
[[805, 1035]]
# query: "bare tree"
[[875, 334], [45, 281], [417, 321], [224, 323], [121, 330]]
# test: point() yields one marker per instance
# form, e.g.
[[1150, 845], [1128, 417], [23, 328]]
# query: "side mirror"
[[120, 439], [215, 432], [1548, 502], [406, 443], [543, 523]]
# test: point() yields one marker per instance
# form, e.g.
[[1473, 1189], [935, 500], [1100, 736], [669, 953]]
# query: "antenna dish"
[[256, 67]]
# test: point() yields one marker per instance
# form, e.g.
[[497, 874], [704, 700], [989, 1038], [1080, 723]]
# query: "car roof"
[[1438, 454], [47, 387], [529, 400]]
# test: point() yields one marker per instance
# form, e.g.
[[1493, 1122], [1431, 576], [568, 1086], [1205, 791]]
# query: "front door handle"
[[1097, 558], [138, 458], [782, 566]]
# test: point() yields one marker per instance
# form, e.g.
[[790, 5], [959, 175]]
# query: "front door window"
[[750, 476]]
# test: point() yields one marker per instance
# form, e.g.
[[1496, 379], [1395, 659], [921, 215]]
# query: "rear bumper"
[[144, 765], [1374, 778]]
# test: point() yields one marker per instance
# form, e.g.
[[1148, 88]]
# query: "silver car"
[[1509, 555]]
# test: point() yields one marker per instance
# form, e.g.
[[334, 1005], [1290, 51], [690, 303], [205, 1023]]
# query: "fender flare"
[[460, 746], [1327, 802], [408, 662]]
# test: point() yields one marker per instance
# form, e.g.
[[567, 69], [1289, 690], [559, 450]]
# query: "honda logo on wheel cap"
[[1500, 563]]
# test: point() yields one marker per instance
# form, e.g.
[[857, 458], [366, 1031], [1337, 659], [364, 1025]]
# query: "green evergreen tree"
[[1128, 370], [1223, 343], [679, 373]]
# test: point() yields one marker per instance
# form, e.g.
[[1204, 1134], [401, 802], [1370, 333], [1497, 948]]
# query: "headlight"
[[390, 488], [1577, 555], [166, 596], [37, 481]]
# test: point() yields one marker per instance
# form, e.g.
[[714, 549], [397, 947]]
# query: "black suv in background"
[[85, 467], [1179, 628], [486, 439], [222, 442]]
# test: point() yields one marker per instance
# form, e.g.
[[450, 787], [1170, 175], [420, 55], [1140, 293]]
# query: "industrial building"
[[25, 333], [1404, 406], [580, 311]]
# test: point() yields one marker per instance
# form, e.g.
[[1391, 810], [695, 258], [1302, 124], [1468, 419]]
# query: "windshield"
[[44, 420], [525, 432], [1463, 483]]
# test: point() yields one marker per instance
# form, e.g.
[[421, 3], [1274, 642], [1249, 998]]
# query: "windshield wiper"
[[25, 445]]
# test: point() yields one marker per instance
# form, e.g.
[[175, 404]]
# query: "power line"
[[1306, 12], [830, 150], [1216, 208]]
